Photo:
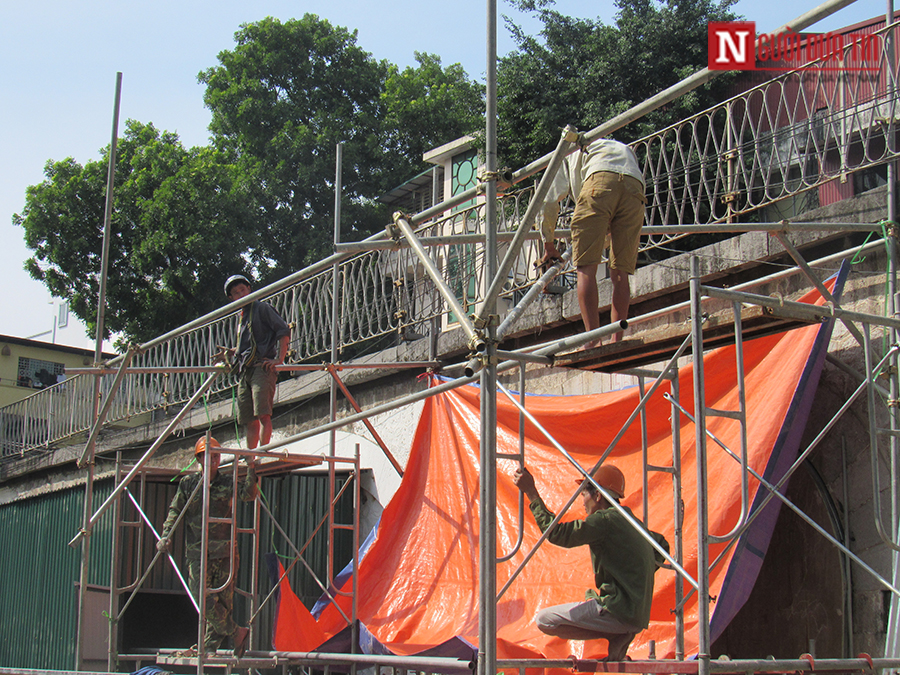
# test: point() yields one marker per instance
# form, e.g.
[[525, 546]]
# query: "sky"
[[59, 59]]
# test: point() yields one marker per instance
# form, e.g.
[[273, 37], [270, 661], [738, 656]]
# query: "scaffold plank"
[[658, 343]]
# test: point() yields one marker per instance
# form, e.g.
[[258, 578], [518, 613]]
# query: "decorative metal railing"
[[779, 141], [776, 142]]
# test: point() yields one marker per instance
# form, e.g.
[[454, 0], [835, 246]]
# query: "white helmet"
[[232, 280]]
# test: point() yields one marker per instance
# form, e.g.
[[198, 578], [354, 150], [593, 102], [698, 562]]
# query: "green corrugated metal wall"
[[39, 573], [38, 570], [298, 502]]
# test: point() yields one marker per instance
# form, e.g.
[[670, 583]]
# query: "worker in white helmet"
[[262, 344]]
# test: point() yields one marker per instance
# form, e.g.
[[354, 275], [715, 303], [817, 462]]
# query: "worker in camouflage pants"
[[219, 621], [221, 551]]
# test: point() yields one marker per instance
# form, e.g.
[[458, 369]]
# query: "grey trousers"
[[587, 621]]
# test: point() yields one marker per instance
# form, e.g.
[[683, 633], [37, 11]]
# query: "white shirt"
[[604, 154]]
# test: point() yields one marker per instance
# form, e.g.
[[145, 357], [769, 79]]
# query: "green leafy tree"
[[284, 97], [281, 100], [178, 223], [261, 198], [584, 72], [425, 107]]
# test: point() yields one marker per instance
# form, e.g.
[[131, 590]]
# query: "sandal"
[[546, 262]]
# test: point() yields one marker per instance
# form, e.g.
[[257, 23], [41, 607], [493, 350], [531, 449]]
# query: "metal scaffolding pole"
[[487, 563], [808, 273], [710, 228], [568, 138], [333, 385], [677, 507], [87, 461], [799, 309], [336, 379], [88, 453], [885, 533], [892, 648], [202, 585], [283, 368], [156, 537], [741, 416], [112, 635], [703, 642], [475, 339], [774, 491]]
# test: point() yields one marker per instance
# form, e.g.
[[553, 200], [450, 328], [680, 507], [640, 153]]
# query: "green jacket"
[[220, 492], [624, 562]]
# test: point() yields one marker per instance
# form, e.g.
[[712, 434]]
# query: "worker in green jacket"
[[624, 565]]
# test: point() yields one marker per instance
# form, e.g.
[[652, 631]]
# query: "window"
[[38, 374], [461, 259]]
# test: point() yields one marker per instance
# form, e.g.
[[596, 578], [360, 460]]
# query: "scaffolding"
[[135, 491], [752, 162], [693, 346]]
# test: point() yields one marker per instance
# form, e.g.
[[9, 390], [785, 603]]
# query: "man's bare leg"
[[621, 299], [588, 299], [265, 430], [252, 434]]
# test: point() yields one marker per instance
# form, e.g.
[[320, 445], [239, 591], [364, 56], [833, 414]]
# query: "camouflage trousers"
[[219, 621]]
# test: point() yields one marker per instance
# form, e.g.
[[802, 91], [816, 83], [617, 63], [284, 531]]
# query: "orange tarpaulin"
[[295, 627], [419, 578]]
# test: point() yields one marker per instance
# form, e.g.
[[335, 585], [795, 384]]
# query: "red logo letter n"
[[732, 45]]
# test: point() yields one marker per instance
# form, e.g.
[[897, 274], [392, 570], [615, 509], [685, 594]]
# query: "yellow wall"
[[13, 349]]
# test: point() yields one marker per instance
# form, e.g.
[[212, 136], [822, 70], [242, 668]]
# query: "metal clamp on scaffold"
[[392, 229], [893, 228], [224, 357], [483, 322], [503, 179], [784, 223], [477, 344], [473, 365]]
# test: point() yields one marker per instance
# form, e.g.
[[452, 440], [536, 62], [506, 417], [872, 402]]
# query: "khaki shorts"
[[614, 203], [255, 393]]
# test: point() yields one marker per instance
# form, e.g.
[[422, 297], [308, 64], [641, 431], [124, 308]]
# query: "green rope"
[[183, 470], [857, 258], [193, 461], [234, 412]]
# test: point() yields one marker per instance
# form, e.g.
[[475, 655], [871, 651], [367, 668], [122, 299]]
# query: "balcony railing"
[[779, 140]]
